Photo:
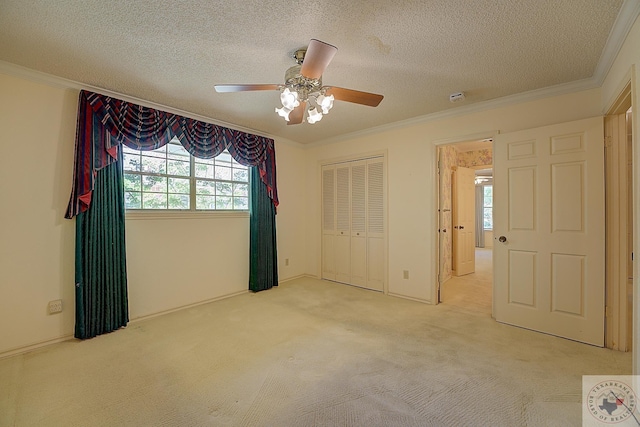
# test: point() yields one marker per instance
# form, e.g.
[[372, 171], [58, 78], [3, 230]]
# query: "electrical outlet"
[[405, 274], [286, 261], [55, 306]]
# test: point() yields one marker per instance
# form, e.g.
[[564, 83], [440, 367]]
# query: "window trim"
[[136, 214]]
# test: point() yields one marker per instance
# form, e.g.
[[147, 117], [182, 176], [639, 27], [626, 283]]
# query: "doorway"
[[468, 288], [619, 228]]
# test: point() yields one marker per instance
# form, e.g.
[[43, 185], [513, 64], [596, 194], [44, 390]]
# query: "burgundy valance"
[[104, 123]]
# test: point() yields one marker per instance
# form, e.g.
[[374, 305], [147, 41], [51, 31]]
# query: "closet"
[[353, 223]]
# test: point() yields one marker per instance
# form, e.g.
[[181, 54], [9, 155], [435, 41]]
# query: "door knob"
[[462, 227], [502, 239]]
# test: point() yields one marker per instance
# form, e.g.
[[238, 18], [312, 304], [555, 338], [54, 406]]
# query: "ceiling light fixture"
[[300, 90], [302, 93]]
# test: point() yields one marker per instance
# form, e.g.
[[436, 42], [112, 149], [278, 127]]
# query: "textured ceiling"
[[415, 53]]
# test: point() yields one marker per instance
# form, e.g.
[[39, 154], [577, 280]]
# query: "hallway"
[[472, 292]]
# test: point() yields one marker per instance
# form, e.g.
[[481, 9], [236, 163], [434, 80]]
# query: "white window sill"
[[178, 214]]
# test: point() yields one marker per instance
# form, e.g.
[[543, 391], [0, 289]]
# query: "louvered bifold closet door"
[[376, 259], [342, 251], [358, 223], [328, 222]]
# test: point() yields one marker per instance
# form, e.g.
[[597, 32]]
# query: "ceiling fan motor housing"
[[294, 80]]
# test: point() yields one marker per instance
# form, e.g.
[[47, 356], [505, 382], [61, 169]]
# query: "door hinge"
[[608, 141], [607, 312]]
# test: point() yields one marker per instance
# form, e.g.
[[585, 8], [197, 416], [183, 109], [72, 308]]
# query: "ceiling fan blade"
[[296, 116], [243, 88], [355, 96], [319, 55]]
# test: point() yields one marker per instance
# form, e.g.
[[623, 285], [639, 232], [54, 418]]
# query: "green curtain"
[[263, 256], [101, 271]]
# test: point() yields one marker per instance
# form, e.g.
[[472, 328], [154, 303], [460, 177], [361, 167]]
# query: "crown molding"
[[532, 95], [14, 70], [629, 12]]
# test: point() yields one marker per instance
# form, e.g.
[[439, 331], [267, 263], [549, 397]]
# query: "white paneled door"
[[549, 230], [464, 221]]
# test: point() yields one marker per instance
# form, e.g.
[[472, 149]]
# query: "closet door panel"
[[358, 224], [328, 222], [376, 258], [375, 264], [343, 226]]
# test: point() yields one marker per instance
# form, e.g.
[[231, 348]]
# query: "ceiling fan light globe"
[[314, 116], [325, 102], [283, 112], [289, 99]]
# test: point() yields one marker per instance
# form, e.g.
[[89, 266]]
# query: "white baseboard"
[[35, 346], [424, 301], [183, 307], [299, 276]]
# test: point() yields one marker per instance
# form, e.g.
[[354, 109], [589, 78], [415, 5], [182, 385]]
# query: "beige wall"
[[171, 262], [412, 180], [36, 242]]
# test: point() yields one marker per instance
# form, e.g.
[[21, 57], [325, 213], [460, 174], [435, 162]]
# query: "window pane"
[[223, 157], [177, 167], [131, 162], [240, 175], [154, 165], [178, 201], [132, 200], [241, 203], [223, 173], [488, 195], [204, 171], [205, 187], [154, 201], [240, 189], [179, 185], [223, 202], [132, 182], [175, 151], [223, 188], [158, 152], [155, 184], [488, 218], [205, 202]]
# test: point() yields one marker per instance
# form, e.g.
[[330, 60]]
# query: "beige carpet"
[[472, 292], [309, 353]]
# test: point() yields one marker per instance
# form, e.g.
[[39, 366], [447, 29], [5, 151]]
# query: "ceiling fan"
[[303, 87]]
